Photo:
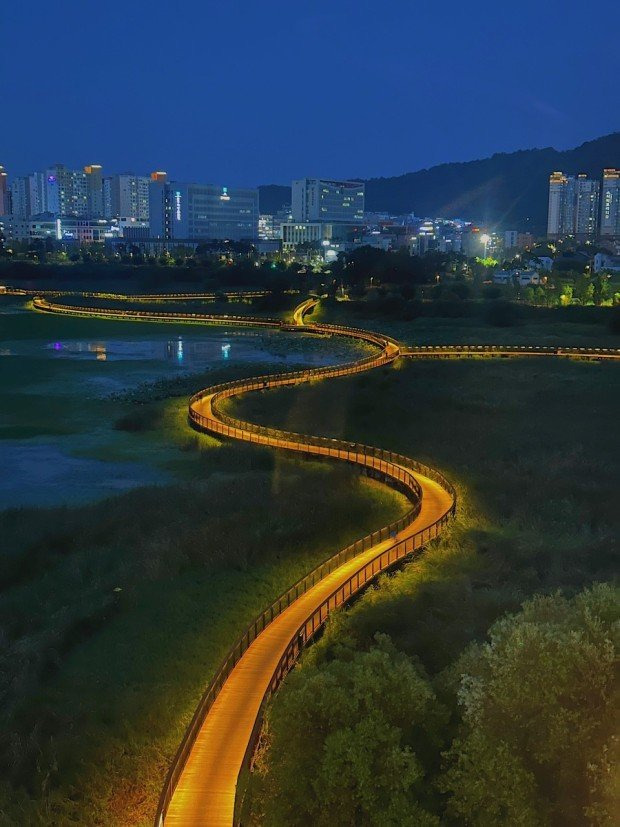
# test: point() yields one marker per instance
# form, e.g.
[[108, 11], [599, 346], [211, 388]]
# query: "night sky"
[[248, 92]]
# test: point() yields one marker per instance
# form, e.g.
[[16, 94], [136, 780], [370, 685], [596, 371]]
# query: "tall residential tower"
[[610, 203], [573, 206], [4, 192]]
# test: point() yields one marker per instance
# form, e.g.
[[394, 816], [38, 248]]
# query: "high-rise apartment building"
[[201, 211], [94, 190], [4, 192], [561, 215], [126, 196], [37, 186], [28, 195], [20, 197], [321, 199], [66, 191], [610, 203], [587, 206]]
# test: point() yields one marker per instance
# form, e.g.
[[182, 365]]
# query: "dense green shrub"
[[538, 705], [356, 736], [501, 313], [365, 725]]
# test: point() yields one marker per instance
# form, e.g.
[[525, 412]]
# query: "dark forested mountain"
[[508, 190]]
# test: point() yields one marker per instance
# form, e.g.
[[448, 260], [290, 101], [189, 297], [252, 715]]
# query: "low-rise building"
[[605, 263], [295, 233], [542, 263], [523, 278], [70, 229]]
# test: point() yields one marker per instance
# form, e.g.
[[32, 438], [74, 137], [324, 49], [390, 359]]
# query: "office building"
[[321, 199], [126, 196], [201, 211], [610, 204]]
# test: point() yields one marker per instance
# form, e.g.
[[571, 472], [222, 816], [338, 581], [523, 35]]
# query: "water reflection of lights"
[[180, 350], [225, 351], [100, 350]]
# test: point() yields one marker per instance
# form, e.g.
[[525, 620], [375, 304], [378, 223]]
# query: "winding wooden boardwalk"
[[201, 787]]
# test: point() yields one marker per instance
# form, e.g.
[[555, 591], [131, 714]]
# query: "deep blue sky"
[[261, 91]]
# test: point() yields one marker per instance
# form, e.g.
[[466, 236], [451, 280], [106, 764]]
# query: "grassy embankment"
[[115, 615], [531, 447], [568, 327]]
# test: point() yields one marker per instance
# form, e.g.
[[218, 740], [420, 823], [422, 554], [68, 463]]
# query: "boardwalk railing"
[[460, 351], [240, 295], [151, 315]]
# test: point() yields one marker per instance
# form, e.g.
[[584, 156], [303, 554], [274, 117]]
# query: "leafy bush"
[[614, 319], [538, 716], [363, 725], [491, 291], [143, 418], [501, 313], [356, 736]]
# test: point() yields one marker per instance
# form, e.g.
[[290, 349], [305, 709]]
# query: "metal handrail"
[[148, 315], [239, 294], [446, 351]]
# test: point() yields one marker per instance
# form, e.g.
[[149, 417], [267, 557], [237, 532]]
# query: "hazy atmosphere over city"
[[255, 93], [309, 395]]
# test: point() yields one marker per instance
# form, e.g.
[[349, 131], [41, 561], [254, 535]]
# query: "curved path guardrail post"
[[201, 785]]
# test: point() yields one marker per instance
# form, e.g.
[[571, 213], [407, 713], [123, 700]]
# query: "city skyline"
[[352, 109]]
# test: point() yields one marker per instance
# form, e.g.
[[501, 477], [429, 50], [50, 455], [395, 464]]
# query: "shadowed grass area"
[[532, 326], [115, 615]]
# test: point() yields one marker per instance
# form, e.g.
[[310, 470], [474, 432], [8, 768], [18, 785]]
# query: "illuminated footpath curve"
[[202, 784]]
